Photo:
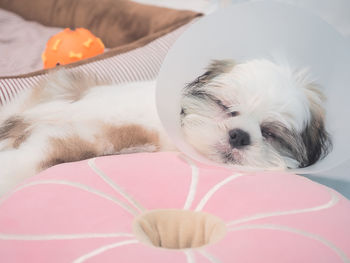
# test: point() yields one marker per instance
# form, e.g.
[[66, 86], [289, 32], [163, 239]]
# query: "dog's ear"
[[215, 68], [316, 139], [218, 67], [316, 99]]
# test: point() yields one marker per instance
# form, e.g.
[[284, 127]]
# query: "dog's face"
[[256, 114]]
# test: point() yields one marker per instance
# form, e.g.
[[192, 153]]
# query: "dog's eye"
[[267, 134], [226, 109], [221, 105], [234, 113]]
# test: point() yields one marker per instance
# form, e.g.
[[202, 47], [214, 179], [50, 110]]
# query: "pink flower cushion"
[[161, 207]]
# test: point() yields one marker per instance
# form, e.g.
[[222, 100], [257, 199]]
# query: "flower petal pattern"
[[84, 212], [132, 252], [275, 244], [141, 179]]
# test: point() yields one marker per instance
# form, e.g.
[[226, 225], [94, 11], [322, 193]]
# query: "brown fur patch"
[[71, 149], [15, 129], [215, 68], [74, 148], [128, 136]]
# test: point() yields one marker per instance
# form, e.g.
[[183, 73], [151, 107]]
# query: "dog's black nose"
[[238, 138]]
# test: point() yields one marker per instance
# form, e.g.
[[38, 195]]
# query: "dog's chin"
[[226, 155], [243, 160], [249, 158]]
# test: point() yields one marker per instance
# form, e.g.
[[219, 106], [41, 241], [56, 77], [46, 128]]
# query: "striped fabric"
[[137, 65]]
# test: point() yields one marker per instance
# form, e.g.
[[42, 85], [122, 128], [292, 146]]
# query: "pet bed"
[[137, 37], [100, 210], [161, 207]]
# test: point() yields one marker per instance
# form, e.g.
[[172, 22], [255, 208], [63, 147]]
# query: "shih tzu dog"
[[256, 114]]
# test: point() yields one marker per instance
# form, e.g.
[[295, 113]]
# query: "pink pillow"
[[121, 208]]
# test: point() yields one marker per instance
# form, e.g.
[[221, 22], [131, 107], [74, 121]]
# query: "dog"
[[255, 114]]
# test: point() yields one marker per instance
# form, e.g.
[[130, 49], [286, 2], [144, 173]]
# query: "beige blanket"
[[21, 43]]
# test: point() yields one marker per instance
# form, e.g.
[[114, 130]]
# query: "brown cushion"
[[122, 25], [116, 22]]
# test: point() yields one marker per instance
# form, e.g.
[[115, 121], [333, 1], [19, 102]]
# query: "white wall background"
[[335, 12]]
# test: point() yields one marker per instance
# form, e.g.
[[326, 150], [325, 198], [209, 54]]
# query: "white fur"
[[132, 103], [261, 91]]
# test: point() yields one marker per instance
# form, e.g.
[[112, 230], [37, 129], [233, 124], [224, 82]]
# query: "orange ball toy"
[[71, 45]]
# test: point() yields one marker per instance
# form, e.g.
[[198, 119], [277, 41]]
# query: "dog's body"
[[56, 123], [71, 117]]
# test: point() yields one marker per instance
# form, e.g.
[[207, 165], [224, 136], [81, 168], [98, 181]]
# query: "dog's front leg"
[[17, 165]]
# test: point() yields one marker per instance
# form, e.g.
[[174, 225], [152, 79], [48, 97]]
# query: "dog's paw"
[[5, 187], [12, 171], [6, 170], [6, 184]]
